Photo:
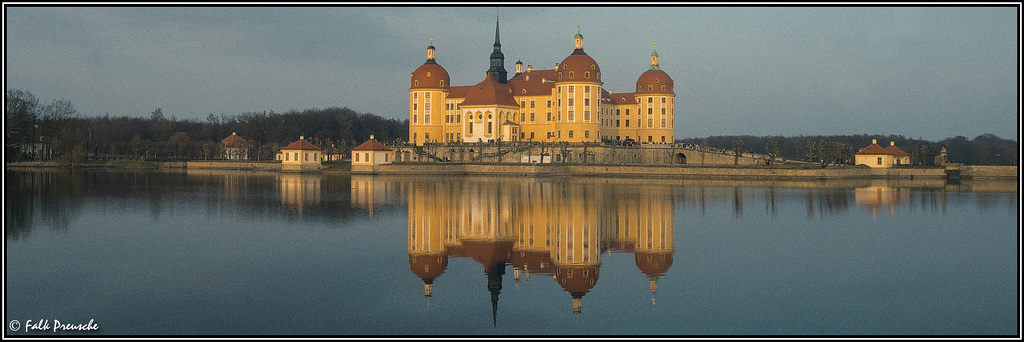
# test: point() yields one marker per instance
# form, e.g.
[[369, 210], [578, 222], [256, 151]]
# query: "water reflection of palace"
[[538, 227]]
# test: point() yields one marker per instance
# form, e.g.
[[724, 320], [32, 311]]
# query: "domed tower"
[[427, 91], [656, 102], [577, 96]]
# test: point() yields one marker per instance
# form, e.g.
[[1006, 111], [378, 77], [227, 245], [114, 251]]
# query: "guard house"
[[235, 148], [371, 153], [300, 156], [877, 157]]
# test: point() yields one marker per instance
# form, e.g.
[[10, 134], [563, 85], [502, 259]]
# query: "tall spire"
[[497, 58]]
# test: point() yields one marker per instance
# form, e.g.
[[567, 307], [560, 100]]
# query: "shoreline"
[[779, 172]]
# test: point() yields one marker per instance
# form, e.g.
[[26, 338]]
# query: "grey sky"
[[929, 72]]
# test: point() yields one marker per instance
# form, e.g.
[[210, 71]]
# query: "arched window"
[[428, 74], [593, 67], [559, 75], [650, 88], [416, 83], [570, 75], [662, 89], [586, 75], [442, 83], [656, 80]]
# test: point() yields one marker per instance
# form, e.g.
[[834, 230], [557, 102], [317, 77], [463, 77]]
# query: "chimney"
[[874, 141], [892, 143], [371, 136]]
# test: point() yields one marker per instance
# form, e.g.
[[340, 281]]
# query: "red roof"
[[458, 92], [302, 144], [233, 140], [490, 92], [535, 83], [896, 151], [371, 145], [875, 149]]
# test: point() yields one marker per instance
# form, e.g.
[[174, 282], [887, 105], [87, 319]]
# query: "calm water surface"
[[248, 253]]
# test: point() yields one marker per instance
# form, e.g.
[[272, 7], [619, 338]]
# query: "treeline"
[[985, 149], [57, 131]]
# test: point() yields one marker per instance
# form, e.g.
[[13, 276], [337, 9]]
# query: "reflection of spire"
[[577, 305], [494, 286], [654, 288], [428, 290]]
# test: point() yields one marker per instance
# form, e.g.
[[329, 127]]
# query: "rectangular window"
[[426, 119], [616, 123], [879, 160], [570, 134], [627, 112], [532, 103], [586, 116], [627, 123], [357, 156], [426, 137], [662, 123], [586, 101], [650, 123], [586, 134], [572, 89], [531, 117], [571, 102], [458, 118], [305, 156], [572, 117], [458, 136], [586, 89], [414, 138], [650, 111], [414, 106], [662, 139], [414, 118], [650, 138], [287, 157], [531, 135], [650, 100], [367, 155], [663, 111], [490, 128]]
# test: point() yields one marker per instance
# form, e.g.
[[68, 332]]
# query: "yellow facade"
[[564, 104]]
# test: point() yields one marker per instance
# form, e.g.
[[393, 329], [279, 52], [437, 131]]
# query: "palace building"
[[564, 104]]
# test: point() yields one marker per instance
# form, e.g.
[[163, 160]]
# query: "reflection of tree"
[[54, 197]]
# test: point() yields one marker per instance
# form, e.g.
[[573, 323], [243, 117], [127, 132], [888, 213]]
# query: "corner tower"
[[429, 86], [577, 96], [656, 103]]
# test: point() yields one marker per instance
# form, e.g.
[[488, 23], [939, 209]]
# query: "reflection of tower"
[[647, 221], [576, 246], [300, 190], [428, 257]]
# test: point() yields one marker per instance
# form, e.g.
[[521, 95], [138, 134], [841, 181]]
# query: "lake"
[[226, 253]]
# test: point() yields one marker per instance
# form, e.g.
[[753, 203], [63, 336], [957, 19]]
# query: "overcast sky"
[[928, 72]]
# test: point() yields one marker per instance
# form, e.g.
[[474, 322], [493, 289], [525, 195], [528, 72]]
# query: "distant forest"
[[69, 135], [61, 133], [985, 149]]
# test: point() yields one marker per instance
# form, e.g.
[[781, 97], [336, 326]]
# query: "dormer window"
[[428, 74], [586, 75], [570, 75], [416, 83], [442, 83]]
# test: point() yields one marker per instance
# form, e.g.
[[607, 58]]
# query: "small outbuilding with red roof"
[[878, 157], [300, 156], [371, 153]]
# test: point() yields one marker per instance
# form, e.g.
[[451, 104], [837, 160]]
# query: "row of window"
[[295, 156]]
